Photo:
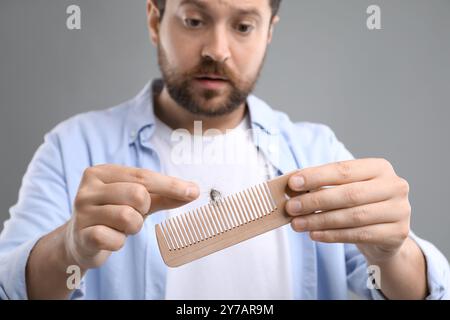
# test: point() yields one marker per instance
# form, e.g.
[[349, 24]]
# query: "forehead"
[[222, 5]]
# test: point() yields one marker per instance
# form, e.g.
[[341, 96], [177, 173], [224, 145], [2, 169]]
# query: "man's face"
[[211, 51]]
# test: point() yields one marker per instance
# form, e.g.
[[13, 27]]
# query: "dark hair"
[[274, 4]]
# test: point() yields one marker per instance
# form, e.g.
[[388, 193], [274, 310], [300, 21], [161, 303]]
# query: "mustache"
[[208, 66]]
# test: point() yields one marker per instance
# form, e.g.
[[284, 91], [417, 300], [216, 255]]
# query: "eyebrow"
[[203, 6]]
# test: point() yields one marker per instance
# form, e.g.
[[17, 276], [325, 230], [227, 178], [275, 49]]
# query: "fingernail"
[[295, 206], [300, 224], [316, 234], [297, 182]]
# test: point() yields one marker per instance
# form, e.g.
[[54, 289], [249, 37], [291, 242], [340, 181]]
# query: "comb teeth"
[[217, 218]]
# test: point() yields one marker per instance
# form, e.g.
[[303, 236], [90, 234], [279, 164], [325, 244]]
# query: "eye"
[[244, 28], [193, 23]]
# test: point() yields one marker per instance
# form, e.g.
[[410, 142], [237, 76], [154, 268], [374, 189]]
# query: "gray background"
[[385, 93]]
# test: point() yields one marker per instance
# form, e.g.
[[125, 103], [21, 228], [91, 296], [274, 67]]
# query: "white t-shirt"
[[258, 268]]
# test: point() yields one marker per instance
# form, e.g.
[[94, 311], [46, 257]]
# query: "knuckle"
[[403, 186], [358, 215], [408, 209], [174, 184], [352, 195], [140, 176], [363, 236], [80, 200], [90, 172], [404, 208], [385, 164], [320, 220], [96, 237], [404, 231], [125, 216], [135, 227], [139, 195], [344, 170], [315, 202], [130, 220], [103, 166], [119, 243]]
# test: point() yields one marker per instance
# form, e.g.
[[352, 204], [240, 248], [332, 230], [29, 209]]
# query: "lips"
[[211, 77], [211, 82]]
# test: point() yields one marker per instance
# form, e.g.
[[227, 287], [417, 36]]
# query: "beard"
[[206, 102]]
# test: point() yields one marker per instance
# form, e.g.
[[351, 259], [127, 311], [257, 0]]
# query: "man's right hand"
[[112, 203]]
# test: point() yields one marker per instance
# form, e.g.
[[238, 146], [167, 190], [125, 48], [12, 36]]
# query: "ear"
[[274, 21], [153, 21]]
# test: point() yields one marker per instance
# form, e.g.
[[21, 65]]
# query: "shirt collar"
[[262, 115], [141, 114]]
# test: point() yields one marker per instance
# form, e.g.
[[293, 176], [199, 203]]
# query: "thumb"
[[159, 202]]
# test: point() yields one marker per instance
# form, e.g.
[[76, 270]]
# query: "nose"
[[217, 46]]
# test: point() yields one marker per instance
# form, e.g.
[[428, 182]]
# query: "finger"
[[123, 193], [163, 203], [154, 182], [337, 173], [339, 197], [119, 217], [101, 237], [365, 215], [131, 194], [388, 234]]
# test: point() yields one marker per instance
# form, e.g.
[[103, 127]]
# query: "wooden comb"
[[225, 222]]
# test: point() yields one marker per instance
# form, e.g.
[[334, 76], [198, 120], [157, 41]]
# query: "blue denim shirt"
[[121, 135]]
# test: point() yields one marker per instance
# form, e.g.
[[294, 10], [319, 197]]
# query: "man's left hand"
[[358, 201]]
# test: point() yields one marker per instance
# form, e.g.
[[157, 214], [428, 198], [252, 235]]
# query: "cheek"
[[182, 55], [248, 59]]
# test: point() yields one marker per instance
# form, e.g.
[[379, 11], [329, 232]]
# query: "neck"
[[177, 117]]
